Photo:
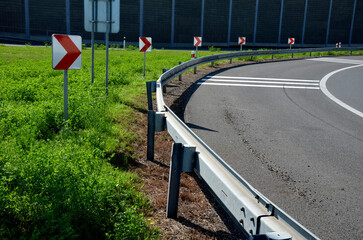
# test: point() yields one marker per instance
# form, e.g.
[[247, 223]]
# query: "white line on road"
[[332, 97], [258, 85], [337, 60], [268, 79], [266, 82]]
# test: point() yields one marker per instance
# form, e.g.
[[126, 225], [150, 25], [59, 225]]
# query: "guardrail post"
[[164, 87], [292, 55], [180, 76], [149, 95], [272, 57], [310, 54], [182, 160], [230, 61], [174, 180], [251, 58], [150, 134]]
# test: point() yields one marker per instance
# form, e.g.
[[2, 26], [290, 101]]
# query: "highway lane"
[[272, 123]]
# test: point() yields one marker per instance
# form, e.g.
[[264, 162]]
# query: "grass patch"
[[57, 184]]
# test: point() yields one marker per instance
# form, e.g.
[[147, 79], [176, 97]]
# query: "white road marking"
[[337, 60], [256, 85], [332, 97], [260, 82], [266, 82], [268, 79]]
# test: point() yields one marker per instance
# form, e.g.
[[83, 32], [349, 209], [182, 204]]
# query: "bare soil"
[[199, 215]]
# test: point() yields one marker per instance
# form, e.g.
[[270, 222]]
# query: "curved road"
[[293, 130]]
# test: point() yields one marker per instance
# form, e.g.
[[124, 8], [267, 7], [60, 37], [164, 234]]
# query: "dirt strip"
[[199, 215]]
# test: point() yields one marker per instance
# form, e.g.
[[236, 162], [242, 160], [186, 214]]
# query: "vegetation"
[[59, 184], [73, 183]]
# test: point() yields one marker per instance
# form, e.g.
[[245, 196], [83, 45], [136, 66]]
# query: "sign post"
[[291, 41], [66, 54], [104, 17], [241, 41], [197, 43], [145, 46]]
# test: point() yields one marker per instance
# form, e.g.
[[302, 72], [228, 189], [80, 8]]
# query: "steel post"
[[202, 19], [149, 95], [255, 26], [280, 25], [68, 17], [180, 76], [229, 23], [150, 135], [65, 98], [27, 21], [93, 42], [304, 23], [352, 23], [174, 180], [328, 27], [172, 23], [143, 75], [108, 24]]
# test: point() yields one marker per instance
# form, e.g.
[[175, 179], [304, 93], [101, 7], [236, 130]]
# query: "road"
[[293, 130]]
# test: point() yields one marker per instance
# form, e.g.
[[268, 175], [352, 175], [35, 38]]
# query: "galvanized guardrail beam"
[[253, 213]]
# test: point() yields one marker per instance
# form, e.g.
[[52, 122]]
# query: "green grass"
[[59, 184]]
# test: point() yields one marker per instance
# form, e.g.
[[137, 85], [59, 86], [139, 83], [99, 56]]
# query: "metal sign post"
[[108, 24], [197, 43], [143, 76], [93, 42], [66, 54], [290, 41], [145, 46], [104, 17], [65, 98]]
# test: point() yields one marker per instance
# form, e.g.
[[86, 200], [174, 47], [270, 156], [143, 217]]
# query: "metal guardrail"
[[255, 215]]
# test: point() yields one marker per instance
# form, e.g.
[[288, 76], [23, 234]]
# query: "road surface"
[[293, 130]]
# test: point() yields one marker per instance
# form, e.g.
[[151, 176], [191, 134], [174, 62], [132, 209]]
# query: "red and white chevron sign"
[[66, 51], [291, 40], [241, 40], [145, 44], [197, 41]]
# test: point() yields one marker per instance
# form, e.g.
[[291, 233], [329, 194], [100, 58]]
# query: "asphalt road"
[[303, 149]]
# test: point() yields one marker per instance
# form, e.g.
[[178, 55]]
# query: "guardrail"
[[255, 215]]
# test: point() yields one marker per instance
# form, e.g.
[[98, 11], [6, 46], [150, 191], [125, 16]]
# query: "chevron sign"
[[197, 41], [145, 44], [291, 41], [66, 52], [241, 40]]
